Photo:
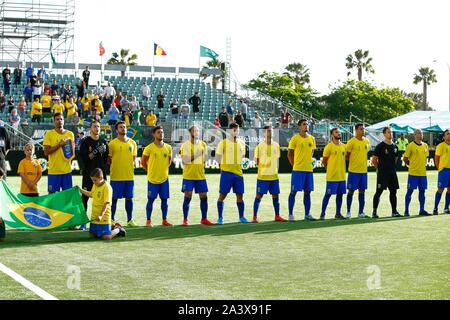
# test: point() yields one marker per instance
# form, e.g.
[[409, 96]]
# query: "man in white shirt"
[[99, 90], [256, 121], [145, 91]]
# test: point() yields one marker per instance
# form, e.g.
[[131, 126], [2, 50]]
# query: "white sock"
[[115, 232]]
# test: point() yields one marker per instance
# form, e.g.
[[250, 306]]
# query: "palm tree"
[[216, 78], [361, 62], [427, 77], [122, 58], [299, 72]]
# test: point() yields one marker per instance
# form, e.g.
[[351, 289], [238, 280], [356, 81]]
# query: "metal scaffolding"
[[30, 28]]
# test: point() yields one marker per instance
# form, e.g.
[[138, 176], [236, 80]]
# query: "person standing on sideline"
[[384, 159], [160, 99], [357, 149], [415, 157], [229, 153], [59, 147], [193, 153], [267, 155], [334, 161], [195, 100], [244, 109], [86, 75], [442, 162], [401, 143], [286, 118], [122, 155], [156, 161], [300, 155]]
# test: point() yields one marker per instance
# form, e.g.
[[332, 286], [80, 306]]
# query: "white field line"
[[27, 284]]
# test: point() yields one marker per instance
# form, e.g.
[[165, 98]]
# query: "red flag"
[[102, 49]]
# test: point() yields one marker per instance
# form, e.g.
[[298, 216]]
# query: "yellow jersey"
[[194, 170], [150, 120], [303, 150], [99, 106], [90, 97], [417, 155], [36, 109], [101, 195], [31, 168], [58, 108], [443, 151], [85, 104], [336, 161], [122, 156], [158, 162], [71, 108], [232, 154], [358, 150], [268, 156], [59, 162], [46, 101]]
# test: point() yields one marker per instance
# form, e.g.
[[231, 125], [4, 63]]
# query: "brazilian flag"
[[56, 211]]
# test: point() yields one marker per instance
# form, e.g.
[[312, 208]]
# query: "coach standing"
[[384, 159], [5, 146]]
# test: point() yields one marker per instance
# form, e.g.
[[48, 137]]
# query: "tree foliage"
[[360, 61], [214, 64], [123, 58], [427, 77]]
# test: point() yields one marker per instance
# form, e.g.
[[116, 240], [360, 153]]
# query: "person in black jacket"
[[195, 101], [5, 146], [223, 118], [93, 154], [18, 75], [86, 75]]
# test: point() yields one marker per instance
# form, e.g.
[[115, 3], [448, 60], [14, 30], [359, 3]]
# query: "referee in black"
[[384, 159], [93, 154]]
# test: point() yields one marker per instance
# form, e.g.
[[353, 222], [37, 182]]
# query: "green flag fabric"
[[52, 212], [208, 53], [51, 52]]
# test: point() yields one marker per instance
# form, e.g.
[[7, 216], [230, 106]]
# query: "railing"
[[18, 138]]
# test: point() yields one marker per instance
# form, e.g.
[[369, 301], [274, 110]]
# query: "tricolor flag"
[[158, 51], [208, 53], [102, 49], [56, 211]]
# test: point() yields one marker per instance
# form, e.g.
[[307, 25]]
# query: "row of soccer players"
[[121, 152]]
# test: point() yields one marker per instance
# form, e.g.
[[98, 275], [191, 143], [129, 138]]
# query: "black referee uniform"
[[386, 175], [98, 149]]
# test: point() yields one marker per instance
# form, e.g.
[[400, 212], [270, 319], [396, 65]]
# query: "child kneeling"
[[101, 208]]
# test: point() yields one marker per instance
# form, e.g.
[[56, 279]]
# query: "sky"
[[400, 35]]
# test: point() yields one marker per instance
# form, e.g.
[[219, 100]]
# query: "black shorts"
[[387, 181]]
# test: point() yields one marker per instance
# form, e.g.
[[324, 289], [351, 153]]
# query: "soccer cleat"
[[396, 215], [375, 216], [339, 216], [132, 224], [166, 223], [362, 216], [446, 211], [82, 227], [349, 215], [435, 212], [322, 217], [255, 219], [310, 218], [185, 223], [243, 220], [424, 213], [206, 222], [122, 232], [280, 219], [291, 217], [220, 221], [406, 214], [149, 224]]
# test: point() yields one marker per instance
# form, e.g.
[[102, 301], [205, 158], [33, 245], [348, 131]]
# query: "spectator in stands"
[[110, 93], [42, 74], [54, 87], [71, 108], [174, 109], [18, 75], [114, 114], [118, 101], [239, 119], [58, 107], [98, 106], [257, 121], [33, 79], [78, 140], [160, 99], [11, 103], [47, 90], [223, 118], [128, 117], [28, 92], [14, 118], [96, 115], [62, 91], [137, 117], [86, 75], [151, 119], [22, 107], [85, 106], [268, 122], [36, 111], [91, 95], [6, 71], [185, 109], [7, 83], [68, 92], [55, 97], [145, 91], [133, 104], [81, 88], [230, 111], [286, 118], [195, 101], [29, 72], [75, 119], [46, 101], [37, 90], [243, 108], [216, 122], [2, 102], [99, 90]]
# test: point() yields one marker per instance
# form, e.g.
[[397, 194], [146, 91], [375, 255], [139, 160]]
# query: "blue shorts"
[[264, 186], [199, 186], [335, 187], [357, 181], [100, 229], [161, 189], [415, 182], [228, 180], [122, 189], [444, 178], [57, 182], [302, 181]]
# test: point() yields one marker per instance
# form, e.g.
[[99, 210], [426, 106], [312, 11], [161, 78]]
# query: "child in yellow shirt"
[[31, 172]]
